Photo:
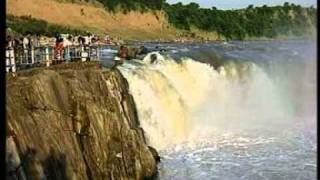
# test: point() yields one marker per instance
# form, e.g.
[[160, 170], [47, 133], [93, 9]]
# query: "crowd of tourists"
[[61, 43]]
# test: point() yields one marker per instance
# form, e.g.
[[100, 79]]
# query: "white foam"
[[182, 102]]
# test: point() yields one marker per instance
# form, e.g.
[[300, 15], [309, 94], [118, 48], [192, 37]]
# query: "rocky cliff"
[[74, 121]]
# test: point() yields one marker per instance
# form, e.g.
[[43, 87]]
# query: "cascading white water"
[[184, 101]]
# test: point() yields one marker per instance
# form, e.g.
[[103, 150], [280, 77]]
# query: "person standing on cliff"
[[9, 42], [121, 56], [58, 50], [123, 53], [66, 44], [25, 42]]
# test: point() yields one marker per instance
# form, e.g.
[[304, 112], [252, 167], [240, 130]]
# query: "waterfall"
[[180, 101]]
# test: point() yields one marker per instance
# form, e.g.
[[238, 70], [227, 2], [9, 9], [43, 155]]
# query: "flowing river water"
[[236, 110]]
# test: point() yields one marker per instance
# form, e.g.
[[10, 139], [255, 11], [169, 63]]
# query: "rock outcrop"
[[74, 121]]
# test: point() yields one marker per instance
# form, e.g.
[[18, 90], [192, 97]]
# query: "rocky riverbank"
[[74, 121]]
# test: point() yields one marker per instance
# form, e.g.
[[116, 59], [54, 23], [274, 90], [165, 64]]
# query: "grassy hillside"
[[27, 25], [92, 17]]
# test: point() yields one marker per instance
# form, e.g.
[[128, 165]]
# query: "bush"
[[128, 5]]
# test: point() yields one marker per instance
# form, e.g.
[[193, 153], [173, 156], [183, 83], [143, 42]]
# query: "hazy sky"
[[237, 4]]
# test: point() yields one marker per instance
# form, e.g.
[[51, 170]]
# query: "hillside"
[[156, 19], [133, 25]]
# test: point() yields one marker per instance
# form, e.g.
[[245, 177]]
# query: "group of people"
[[26, 46], [19, 47], [64, 41], [24, 42]]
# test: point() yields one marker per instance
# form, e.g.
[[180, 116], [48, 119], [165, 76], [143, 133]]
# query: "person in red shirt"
[[121, 56], [58, 50]]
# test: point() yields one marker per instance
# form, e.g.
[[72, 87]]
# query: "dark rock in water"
[[153, 58], [132, 52], [135, 52], [155, 154], [74, 121], [143, 50]]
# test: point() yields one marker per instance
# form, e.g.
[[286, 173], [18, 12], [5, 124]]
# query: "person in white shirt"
[[25, 42], [67, 42]]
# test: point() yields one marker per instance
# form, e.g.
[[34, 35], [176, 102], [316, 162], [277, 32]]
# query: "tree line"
[[128, 5], [285, 20], [288, 19]]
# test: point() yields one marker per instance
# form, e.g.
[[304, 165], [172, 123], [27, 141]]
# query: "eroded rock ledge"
[[74, 121]]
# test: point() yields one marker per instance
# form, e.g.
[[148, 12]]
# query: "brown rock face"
[[74, 121]]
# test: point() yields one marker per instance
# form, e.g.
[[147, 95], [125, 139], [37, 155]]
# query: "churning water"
[[238, 110]]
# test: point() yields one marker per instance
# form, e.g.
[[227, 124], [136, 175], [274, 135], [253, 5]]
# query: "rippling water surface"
[[241, 156]]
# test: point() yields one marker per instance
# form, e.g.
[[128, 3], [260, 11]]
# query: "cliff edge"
[[74, 121]]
